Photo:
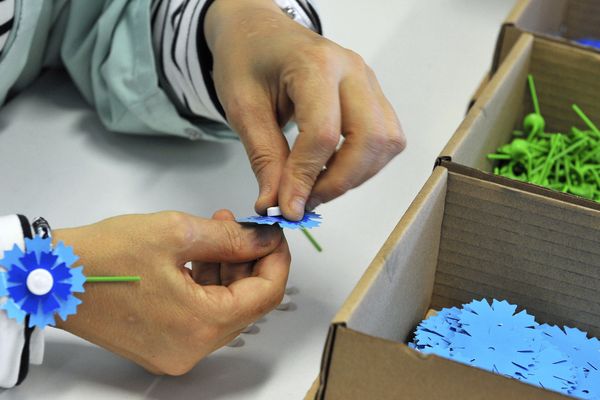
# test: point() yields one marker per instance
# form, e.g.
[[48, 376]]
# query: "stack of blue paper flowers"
[[496, 338]]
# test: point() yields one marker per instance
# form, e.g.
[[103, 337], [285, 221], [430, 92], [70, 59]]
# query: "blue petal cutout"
[[308, 221], [496, 338]]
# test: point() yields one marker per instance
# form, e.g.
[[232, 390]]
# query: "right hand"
[[168, 322]]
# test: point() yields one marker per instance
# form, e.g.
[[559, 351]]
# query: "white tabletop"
[[429, 55]]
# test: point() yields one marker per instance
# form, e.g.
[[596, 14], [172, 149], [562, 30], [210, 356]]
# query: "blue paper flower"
[[495, 338], [310, 220], [40, 282]]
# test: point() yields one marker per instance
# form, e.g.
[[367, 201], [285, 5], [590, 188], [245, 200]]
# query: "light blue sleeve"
[[107, 49], [106, 46]]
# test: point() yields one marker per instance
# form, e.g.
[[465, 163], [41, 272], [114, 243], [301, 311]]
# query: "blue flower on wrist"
[[40, 282]]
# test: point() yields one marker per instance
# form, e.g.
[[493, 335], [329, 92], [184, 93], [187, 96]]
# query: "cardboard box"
[[462, 238], [561, 20], [563, 74]]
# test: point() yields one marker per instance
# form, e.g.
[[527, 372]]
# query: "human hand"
[[266, 69], [167, 322]]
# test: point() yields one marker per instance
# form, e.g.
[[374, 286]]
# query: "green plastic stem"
[[534, 97], [92, 279], [312, 240], [586, 119]]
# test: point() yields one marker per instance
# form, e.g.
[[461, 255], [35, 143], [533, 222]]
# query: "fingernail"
[[297, 205], [313, 203]]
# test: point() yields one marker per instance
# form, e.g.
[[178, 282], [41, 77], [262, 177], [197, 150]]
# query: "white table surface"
[[429, 56]]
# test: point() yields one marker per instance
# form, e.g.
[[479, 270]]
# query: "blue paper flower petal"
[[588, 385], [12, 258], [13, 311], [77, 280], [65, 254], [61, 290], [17, 275], [308, 221], [60, 272], [552, 370], [37, 245], [3, 284], [41, 319], [438, 330], [18, 292], [47, 260], [68, 307], [583, 352], [49, 303]]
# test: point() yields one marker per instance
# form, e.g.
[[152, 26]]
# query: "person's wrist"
[[222, 13], [67, 236]]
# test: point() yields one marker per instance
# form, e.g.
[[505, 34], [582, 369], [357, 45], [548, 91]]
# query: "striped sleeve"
[[7, 14], [19, 344], [184, 60]]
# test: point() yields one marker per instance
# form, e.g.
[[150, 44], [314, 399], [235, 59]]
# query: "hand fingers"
[[227, 241], [232, 272], [373, 138], [317, 112], [254, 117], [259, 294], [209, 273]]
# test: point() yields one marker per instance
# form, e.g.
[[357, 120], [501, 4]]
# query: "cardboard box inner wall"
[[563, 75], [463, 238], [565, 20]]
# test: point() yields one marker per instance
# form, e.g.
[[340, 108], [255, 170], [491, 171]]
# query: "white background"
[[57, 161]]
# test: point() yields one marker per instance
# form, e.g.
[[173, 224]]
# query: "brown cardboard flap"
[[409, 255], [563, 75], [582, 19], [539, 16], [563, 21], [491, 120], [366, 367], [540, 253]]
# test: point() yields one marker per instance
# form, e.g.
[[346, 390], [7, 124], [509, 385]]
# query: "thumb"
[[228, 241], [254, 117]]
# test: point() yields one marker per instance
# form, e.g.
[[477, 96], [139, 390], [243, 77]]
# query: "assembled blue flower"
[[310, 220], [40, 282]]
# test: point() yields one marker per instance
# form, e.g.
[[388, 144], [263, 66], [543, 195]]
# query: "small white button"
[[285, 303], [273, 212], [40, 281]]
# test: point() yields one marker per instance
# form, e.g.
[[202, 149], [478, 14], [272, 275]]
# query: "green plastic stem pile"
[[568, 162]]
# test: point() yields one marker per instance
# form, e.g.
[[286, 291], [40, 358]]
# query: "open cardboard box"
[[563, 75], [462, 238], [561, 20]]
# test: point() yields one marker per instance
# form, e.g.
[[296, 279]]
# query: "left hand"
[[266, 69]]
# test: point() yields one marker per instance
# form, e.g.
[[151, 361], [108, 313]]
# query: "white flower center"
[[274, 212], [40, 281]]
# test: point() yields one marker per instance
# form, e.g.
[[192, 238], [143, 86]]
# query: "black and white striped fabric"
[[7, 17], [184, 59], [19, 344]]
